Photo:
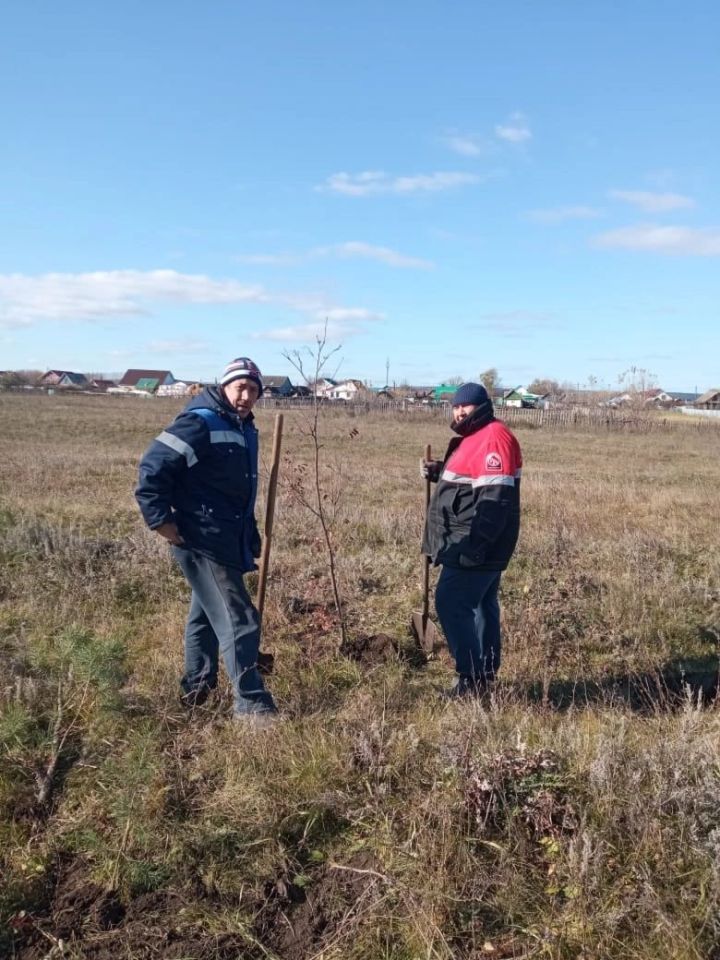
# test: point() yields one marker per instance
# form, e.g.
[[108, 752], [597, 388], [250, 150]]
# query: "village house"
[[348, 390], [444, 392], [668, 398], [178, 388], [656, 397], [521, 397], [12, 380], [423, 395], [277, 387], [64, 379], [710, 400], [383, 393], [323, 386], [144, 381]]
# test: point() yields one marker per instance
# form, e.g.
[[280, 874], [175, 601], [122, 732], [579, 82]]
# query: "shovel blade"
[[425, 632]]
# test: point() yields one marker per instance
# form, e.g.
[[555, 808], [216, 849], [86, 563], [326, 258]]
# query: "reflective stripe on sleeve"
[[179, 446], [227, 436], [494, 480], [452, 477]]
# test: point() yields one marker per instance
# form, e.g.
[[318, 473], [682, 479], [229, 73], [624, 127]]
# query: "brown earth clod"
[[297, 922]]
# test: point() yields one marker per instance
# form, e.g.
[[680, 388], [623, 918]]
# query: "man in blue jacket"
[[197, 488]]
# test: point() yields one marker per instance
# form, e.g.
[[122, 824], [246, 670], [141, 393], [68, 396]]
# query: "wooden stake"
[[269, 515]]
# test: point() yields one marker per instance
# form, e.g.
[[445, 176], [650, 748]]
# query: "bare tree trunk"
[[320, 357]]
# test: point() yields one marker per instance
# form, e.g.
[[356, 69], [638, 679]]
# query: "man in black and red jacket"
[[471, 530]]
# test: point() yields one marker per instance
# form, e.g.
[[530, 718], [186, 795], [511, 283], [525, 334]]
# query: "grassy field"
[[573, 814]]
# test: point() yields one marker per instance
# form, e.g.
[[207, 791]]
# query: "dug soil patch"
[[93, 923], [297, 922], [379, 648]]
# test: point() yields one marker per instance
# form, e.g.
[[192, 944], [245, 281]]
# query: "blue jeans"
[[469, 613], [223, 619]]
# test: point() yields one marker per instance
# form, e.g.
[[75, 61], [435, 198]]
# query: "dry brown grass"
[[574, 814]]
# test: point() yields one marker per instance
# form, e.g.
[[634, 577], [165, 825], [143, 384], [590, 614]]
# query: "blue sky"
[[450, 186]]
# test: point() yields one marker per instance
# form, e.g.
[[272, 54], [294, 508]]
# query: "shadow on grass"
[[691, 679]]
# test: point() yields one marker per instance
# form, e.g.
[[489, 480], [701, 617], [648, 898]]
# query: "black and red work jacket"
[[473, 518]]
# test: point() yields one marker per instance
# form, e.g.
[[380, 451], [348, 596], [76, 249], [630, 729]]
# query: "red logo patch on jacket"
[[493, 461]]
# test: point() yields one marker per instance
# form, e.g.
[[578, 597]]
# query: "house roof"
[[79, 379], [132, 377], [685, 397], [523, 392], [275, 381], [709, 396], [147, 383]]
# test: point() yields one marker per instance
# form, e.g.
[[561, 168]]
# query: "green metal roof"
[[147, 383], [444, 389]]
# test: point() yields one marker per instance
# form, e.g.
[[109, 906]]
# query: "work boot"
[[466, 688]]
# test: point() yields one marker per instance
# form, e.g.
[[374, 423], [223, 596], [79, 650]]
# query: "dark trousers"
[[222, 619], [469, 613]]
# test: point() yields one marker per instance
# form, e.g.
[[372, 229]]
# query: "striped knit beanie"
[[242, 367]]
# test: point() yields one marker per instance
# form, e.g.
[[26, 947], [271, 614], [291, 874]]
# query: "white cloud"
[[374, 182], [338, 323], [560, 214], [678, 241], [515, 129], [465, 146], [349, 315], [108, 294], [650, 202], [367, 251], [349, 250], [25, 300]]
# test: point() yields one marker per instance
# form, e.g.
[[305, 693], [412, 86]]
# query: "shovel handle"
[[426, 566], [269, 516]]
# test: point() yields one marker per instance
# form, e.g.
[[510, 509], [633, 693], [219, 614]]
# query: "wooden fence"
[[556, 418]]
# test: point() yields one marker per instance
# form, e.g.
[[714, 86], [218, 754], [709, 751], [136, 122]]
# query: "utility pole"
[[387, 372]]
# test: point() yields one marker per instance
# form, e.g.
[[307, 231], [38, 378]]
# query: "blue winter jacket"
[[201, 474]]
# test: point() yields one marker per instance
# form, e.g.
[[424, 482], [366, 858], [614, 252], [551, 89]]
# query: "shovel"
[[422, 627], [265, 660]]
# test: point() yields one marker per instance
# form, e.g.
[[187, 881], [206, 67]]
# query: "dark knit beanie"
[[470, 393], [244, 368]]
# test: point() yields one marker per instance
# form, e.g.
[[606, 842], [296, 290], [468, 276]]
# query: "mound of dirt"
[[93, 923], [293, 919], [298, 922], [371, 650], [378, 648]]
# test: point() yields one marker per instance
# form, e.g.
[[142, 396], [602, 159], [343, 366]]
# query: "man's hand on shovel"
[[430, 470]]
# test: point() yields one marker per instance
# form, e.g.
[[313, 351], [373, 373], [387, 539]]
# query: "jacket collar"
[[213, 398], [481, 416]]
